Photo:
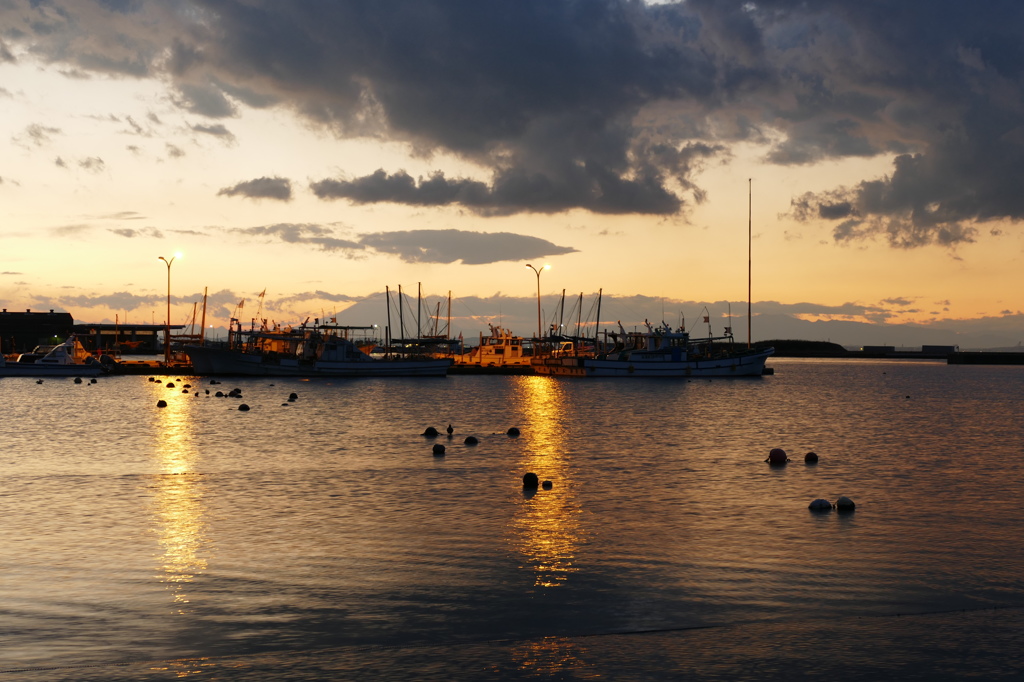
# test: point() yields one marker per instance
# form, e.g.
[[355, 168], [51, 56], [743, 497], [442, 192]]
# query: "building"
[[21, 332]]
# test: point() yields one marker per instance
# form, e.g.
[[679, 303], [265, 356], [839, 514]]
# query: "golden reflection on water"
[[178, 505], [550, 657], [546, 527]]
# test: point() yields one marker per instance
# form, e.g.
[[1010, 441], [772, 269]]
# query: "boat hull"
[[32, 369], [218, 361], [737, 365]]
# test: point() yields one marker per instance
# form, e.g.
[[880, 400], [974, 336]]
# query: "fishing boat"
[[657, 352], [305, 351], [498, 349], [67, 359]]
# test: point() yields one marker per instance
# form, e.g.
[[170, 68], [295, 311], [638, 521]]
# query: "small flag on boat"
[[707, 319], [728, 330]]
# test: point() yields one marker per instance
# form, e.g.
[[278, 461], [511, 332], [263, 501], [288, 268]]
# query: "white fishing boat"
[[658, 352], [320, 350], [67, 359]]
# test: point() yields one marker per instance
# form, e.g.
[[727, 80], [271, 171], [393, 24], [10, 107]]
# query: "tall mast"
[[750, 223], [419, 309], [401, 314], [387, 330], [597, 322]]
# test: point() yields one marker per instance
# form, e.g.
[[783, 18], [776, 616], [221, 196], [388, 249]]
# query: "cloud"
[[321, 237], [130, 233], [261, 188], [93, 164], [36, 135], [414, 246], [609, 107], [471, 248], [216, 130]]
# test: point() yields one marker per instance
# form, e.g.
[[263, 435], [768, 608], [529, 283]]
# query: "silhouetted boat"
[[658, 352], [321, 350]]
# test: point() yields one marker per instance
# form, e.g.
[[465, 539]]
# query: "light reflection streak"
[[178, 506], [551, 656], [546, 527]]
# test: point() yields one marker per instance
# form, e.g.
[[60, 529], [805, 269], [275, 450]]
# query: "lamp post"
[[538, 271], [167, 322]]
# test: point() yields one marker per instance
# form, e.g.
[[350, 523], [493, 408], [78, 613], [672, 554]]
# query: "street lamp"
[[167, 323], [538, 271]]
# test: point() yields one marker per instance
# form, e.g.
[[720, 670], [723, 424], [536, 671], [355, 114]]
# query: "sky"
[[866, 156]]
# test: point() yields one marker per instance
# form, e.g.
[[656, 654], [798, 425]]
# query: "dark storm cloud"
[[261, 188], [608, 106]]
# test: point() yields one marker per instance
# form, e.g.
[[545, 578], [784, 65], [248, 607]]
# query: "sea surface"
[[321, 538]]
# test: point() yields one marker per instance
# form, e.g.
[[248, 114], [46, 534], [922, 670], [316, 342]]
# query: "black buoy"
[[161, 403], [170, 384], [530, 481], [820, 504], [438, 450], [152, 379], [471, 440], [430, 432], [450, 430], [513, 432], [547, 485], [811, 458], [219, 394], [188, 385], [243, 408], [78, 380], [845, 504], [293, 397], [92, 381], [777, 456], [39, 381]]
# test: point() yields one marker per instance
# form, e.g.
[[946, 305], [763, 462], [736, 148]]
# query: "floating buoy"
[[777, 456], [152, 379], [243, 408], [438, 450], [161, 403], [184, 390], [188, 385], [513, 432], [530, 481], [170, 384], [845, 504], [207, 391], [78, 380], [450, 430], [219, 394], [293, 397], [811, 458], [471, 440], [214, 381], [92, 381], [39, 381], [430, 432], [820, 504], [547, 485]]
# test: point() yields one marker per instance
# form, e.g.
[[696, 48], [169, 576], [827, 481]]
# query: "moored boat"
[[659, 352], [320, 350], [67, 359], [499, 350]]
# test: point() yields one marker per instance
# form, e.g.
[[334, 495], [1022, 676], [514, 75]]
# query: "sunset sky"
[[320, 151]]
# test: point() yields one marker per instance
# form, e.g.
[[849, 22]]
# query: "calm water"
[[322, 539]]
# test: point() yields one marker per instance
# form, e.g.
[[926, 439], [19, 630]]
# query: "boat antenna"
[[750, 223]]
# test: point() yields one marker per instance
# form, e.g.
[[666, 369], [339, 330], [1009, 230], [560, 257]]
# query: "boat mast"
[[202, 329], [750, 223], [597, 322], [401, 313], [561, 314], [387, 330], [419, 309]]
